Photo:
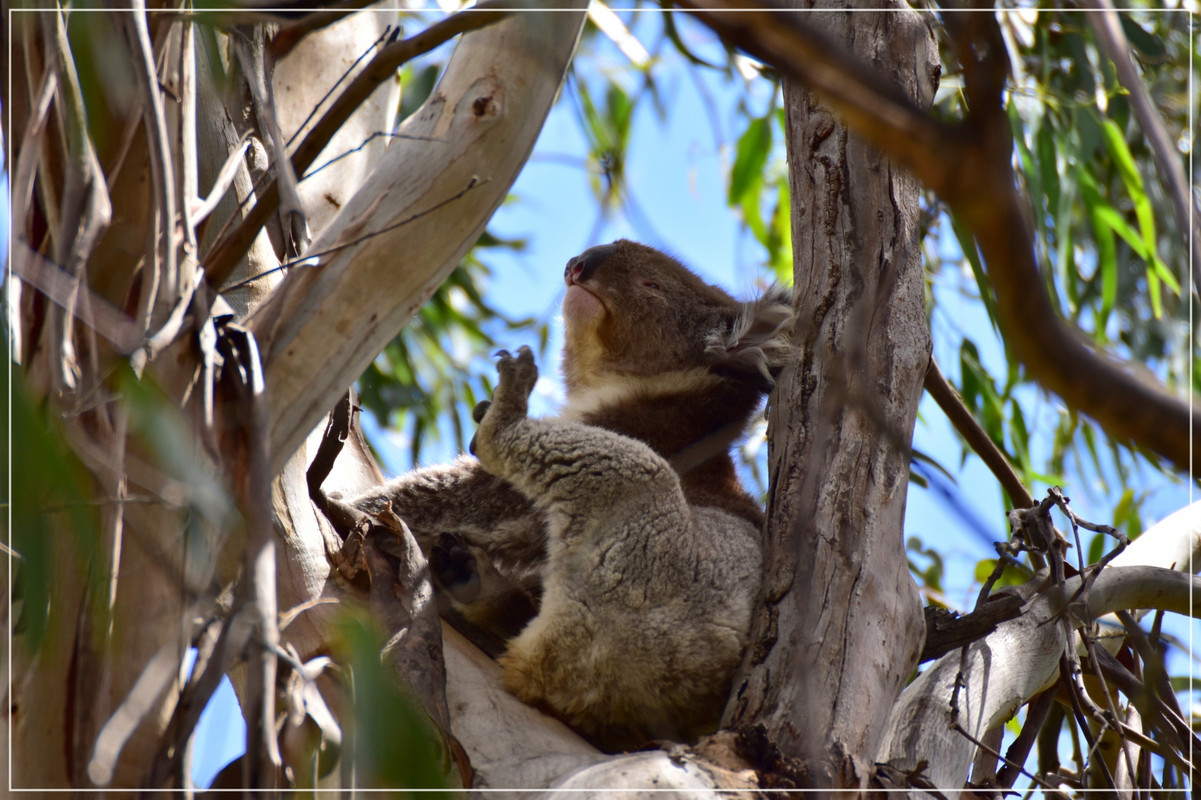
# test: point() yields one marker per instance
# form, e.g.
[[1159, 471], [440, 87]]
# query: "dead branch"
[[969, 428]]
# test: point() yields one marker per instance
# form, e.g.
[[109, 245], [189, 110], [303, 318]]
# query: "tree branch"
[[970, 167], [1001, 672], [969, 428], [866, 101], [475, 130]]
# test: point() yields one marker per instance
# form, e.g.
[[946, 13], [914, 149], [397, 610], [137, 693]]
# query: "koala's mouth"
[[581, 305]]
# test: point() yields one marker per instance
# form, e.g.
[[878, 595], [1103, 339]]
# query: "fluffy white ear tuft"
[[757, 343]]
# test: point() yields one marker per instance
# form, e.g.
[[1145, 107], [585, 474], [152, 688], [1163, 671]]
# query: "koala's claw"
[[510, 398], [518, 374]]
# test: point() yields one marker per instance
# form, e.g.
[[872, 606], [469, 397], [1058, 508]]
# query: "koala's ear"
[[756, 342]]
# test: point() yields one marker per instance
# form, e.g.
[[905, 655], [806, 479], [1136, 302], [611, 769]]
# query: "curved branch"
[[961, 417], [970, 167], [223, 257], [865, 100]]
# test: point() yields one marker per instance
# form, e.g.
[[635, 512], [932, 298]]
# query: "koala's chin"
[[615, 540]]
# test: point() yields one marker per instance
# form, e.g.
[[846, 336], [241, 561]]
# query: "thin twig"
[[314, 259], [160, 163], [1000, 757], [388, 35], [976, 437], [291, 35], [258, 70], [187, 134]]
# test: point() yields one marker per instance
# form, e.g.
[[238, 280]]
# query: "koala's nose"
[[584, 266]]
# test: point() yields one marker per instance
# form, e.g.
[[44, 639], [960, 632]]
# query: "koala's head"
[[631, 311]]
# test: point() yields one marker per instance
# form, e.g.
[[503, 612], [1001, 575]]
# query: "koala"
[[614, 544]]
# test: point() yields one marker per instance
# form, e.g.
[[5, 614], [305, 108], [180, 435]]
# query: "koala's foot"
[[455, 568]]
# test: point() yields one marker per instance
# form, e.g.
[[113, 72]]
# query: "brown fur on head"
[[655, 353], [633, 312]]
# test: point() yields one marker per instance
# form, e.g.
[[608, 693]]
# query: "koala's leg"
[[464, 499]]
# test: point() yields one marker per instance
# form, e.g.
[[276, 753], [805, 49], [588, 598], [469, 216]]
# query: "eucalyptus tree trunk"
[[841, 625], [176, 534]]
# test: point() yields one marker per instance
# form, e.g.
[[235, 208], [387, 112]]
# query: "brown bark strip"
[[969, 428]]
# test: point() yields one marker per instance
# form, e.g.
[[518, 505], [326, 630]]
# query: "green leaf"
[[1105, 219], [49, 496], [750, 157], [673, 35], [1115, 143], [1030, 169], [967, 243], [1048, 167], [1020, 437], [779, 250], [1087, 126], [394, 742]]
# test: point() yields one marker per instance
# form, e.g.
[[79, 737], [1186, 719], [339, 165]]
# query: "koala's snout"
[[584, 266]]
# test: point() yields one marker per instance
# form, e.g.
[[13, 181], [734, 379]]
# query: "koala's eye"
[[649, 284]]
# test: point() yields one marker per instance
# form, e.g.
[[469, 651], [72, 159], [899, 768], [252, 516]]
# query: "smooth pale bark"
[[841, 621], [157, 558], [1021, 658], [438, 185]]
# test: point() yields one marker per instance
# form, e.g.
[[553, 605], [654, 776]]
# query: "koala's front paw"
[[510, 399], [517, 377]]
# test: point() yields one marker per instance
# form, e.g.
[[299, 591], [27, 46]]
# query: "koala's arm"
[[567, 468], [464, 499]]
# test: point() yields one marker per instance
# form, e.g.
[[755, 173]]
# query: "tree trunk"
[[105, 183], [841, 624]]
